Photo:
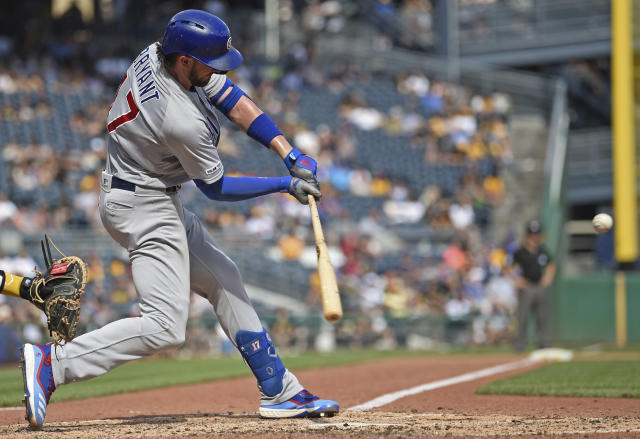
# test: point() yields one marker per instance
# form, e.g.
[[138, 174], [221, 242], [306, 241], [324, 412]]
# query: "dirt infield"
[[227, 408]]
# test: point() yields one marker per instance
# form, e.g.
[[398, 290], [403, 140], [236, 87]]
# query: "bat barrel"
[[331, 304]]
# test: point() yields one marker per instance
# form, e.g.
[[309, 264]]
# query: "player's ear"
[[185, 60]]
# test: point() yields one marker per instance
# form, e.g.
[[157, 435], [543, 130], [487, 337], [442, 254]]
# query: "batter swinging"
[[163, 131]]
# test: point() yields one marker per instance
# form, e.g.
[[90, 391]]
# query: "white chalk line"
[[471, 376], [391, 397]]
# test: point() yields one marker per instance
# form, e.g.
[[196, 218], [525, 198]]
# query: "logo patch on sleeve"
[[214, 170]]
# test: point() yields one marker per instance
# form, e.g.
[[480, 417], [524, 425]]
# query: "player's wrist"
[[2, 276], [291, 157], [25, 288], [285, 183]]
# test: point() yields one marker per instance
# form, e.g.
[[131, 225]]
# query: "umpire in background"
[[533, 273]]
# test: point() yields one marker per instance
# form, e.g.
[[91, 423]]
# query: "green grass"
[[576, 378], [162, 372]]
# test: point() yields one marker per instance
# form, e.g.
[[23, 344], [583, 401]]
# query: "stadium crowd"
[[406, 251]]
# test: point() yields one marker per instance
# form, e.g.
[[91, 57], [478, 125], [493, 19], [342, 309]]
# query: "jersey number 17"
[[130, 115]]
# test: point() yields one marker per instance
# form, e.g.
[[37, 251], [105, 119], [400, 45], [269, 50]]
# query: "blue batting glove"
[[301, 166]]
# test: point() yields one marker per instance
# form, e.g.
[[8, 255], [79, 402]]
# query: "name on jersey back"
[[144, 77]]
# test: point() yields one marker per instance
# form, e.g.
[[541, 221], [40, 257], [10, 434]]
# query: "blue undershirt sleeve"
[[243, 188]]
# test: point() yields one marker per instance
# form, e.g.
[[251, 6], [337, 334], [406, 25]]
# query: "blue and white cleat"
[[38, 382], [302, 405]]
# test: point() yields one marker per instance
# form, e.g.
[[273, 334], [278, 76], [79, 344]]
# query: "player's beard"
[[195, 81]]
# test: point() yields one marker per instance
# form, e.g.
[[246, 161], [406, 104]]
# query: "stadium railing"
[[502, 28], [589, 168]]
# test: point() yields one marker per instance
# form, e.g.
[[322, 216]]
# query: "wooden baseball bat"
[[331, 304]]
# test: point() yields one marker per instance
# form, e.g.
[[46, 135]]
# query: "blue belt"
[[117, 183]]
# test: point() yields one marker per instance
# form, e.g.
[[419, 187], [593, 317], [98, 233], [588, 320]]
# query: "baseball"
[[602, 222]]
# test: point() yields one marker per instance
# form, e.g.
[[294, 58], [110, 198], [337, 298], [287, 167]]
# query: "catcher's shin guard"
[[258, 351]]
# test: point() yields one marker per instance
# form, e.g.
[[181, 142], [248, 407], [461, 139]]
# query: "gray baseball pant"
[[171, 253], [532, 298]]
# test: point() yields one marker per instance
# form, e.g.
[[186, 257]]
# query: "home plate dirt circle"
[[349, 424]]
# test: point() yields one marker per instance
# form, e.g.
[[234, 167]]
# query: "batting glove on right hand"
[[302, 189]]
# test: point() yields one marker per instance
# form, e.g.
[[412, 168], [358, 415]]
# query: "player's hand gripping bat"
[[331, 305]]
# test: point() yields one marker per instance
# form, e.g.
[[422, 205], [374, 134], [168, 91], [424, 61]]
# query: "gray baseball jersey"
[[156, 137], [161, 135]]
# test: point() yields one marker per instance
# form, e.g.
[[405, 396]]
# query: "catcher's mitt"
[[58, 291]]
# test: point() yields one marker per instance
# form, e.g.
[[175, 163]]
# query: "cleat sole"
[[300, 413], [33, 424], [327, 413], [24, 381]]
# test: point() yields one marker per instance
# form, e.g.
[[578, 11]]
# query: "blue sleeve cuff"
[[230, 100], [263, 129], [227, 83]]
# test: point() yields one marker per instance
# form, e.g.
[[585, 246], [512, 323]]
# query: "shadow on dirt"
[[146, 420], [176, 418]]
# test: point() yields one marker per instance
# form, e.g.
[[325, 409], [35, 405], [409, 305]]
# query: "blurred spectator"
[[406, 221], [397, 297], [260, 222], [457, 310], [7, 208], [22, 264], [455, 255], [290, 247], [502, 294], [461, 212], [400, 209], [494, 189]]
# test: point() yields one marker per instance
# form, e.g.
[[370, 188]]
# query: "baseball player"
[[162, 132]]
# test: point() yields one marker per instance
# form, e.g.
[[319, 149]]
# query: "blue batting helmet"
[[202, 36]]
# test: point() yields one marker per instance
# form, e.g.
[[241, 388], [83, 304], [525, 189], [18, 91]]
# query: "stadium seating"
[[390, 157]]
